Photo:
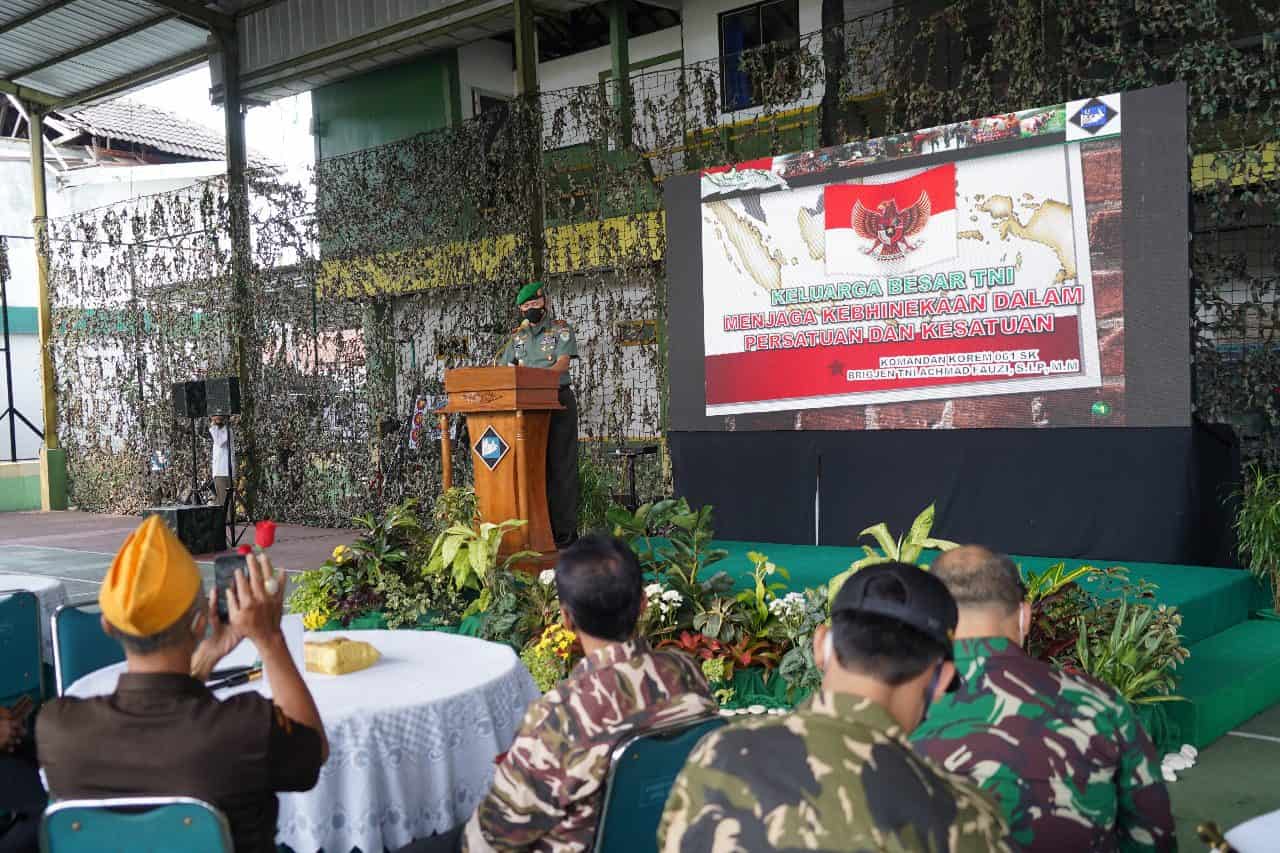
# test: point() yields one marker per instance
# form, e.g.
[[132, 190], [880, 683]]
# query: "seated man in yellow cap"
[[163, 732]]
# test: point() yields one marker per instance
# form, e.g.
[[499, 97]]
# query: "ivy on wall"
[[395, 263]]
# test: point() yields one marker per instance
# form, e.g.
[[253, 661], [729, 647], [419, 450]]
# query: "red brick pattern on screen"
[[1102, 191]]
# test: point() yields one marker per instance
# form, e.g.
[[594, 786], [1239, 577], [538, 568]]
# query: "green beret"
[[532, 290]]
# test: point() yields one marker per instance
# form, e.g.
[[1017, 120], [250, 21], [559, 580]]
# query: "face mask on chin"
[[534, 315]]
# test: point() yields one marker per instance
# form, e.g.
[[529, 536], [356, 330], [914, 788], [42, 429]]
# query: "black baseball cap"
[[906, 594]]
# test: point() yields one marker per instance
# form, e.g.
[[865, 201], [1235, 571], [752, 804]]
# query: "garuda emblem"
[[888, 228]]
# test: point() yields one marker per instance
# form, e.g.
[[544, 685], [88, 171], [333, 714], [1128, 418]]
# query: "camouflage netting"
[[401, 261]]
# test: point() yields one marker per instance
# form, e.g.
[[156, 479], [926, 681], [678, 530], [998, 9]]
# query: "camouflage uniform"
[[1064, 755], [542, 346], [837, 774], [546, 791]]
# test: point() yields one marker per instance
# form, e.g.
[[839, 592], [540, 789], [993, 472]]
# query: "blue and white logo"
[[491, 448], [1094, 117]]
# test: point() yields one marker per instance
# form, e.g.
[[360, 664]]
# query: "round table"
[[52, 594], [412, 739]]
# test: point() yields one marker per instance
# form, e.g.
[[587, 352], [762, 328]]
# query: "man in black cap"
[[839, 774], [540, 341]]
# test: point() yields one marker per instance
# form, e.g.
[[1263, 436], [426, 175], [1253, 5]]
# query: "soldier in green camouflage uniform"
[[1064, 755], [540, 341], [546, 793], [838, 774]]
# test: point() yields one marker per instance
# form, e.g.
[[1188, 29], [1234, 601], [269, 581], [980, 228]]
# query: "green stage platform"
[[1234, 669]]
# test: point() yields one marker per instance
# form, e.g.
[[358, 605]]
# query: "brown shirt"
[[167, 734]]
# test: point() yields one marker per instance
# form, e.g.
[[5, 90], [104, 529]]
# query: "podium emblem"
[[491, 448]]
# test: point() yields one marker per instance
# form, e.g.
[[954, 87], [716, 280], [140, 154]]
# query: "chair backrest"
[[80, 646], [21, 669], [151, 824], [640, 776]]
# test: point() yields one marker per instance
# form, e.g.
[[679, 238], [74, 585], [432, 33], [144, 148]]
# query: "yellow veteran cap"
[[152, 581]]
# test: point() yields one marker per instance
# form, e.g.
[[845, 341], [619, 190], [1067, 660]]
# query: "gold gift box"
[[339, 656]]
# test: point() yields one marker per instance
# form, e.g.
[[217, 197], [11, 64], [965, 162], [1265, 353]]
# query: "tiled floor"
[[77, 547]]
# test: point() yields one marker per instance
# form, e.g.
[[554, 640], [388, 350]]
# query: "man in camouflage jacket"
[[546, 793], [1064, 755], [838, 774]]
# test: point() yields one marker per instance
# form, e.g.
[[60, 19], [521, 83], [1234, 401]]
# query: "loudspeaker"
[[188, 399], [200, 528], [224, 395]]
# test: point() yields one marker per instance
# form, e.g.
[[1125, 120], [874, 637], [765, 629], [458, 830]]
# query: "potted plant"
[[1258, 532]]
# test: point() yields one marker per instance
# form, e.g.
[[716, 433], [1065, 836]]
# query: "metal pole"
[[40, 225], [241, 299], [8, 372], [527, 88], [621, 68]]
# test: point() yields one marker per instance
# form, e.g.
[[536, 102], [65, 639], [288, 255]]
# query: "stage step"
[[1229, 678]]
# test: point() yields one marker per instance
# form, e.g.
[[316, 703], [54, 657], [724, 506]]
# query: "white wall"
[[486, 65], [583, 68]]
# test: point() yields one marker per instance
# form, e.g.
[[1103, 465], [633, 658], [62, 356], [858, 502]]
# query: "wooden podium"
[[508, 413]]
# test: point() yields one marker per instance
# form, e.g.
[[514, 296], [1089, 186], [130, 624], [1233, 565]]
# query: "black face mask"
[[534, 315]]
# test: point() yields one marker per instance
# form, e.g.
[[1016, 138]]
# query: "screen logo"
[[1094, 117]]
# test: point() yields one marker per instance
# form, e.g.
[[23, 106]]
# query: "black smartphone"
[[224, 573]]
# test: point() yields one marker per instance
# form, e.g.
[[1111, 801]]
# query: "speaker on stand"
[[189, 402]]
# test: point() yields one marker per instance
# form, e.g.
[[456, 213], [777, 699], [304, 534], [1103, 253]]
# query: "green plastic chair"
[[80, 646], [641, 774], [135, 825], [21, 669]]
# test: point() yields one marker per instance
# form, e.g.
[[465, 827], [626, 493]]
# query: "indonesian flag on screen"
[[880, 229]]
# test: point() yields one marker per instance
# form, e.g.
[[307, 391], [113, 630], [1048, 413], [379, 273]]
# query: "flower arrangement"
[[548, 658]]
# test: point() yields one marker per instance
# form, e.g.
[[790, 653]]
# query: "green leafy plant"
[[1053, 579], [386, 543], [715, 669], [470, 557], [596, 483], [904, 549], [1258, 529], [456, 505], [757, 599], [720, 617], [672, 541], [315, 595], [1137, 656]]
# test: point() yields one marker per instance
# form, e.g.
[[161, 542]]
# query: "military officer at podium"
[[540, 341]]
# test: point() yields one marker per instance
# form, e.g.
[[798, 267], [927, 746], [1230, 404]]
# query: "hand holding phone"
[[225, 568]]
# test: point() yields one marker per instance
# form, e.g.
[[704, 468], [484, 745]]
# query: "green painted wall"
[[22, 320], [386, 105], [19, 486]]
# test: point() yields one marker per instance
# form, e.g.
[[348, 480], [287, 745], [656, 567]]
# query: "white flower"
[[672, 596], [654, 591], [547, 577], [770, 568]]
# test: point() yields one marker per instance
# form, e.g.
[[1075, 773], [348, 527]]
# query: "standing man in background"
[[223, 464], [540, 341]]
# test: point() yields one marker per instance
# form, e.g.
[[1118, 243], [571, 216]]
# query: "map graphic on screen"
[[970, 275]]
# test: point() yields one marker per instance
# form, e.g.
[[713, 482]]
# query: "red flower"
[[244, 550], [264, 533]]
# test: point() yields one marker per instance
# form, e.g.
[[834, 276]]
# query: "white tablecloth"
[[412, 739], [52, 594]]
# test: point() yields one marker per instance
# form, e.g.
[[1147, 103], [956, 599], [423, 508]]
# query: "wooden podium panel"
[[508, 413]]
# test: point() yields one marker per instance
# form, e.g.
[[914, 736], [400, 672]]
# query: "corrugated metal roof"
[[145, 125], [78, 47]]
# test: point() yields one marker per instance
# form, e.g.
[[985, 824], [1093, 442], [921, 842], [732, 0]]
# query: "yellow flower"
[[340, 553], [314, 620]]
